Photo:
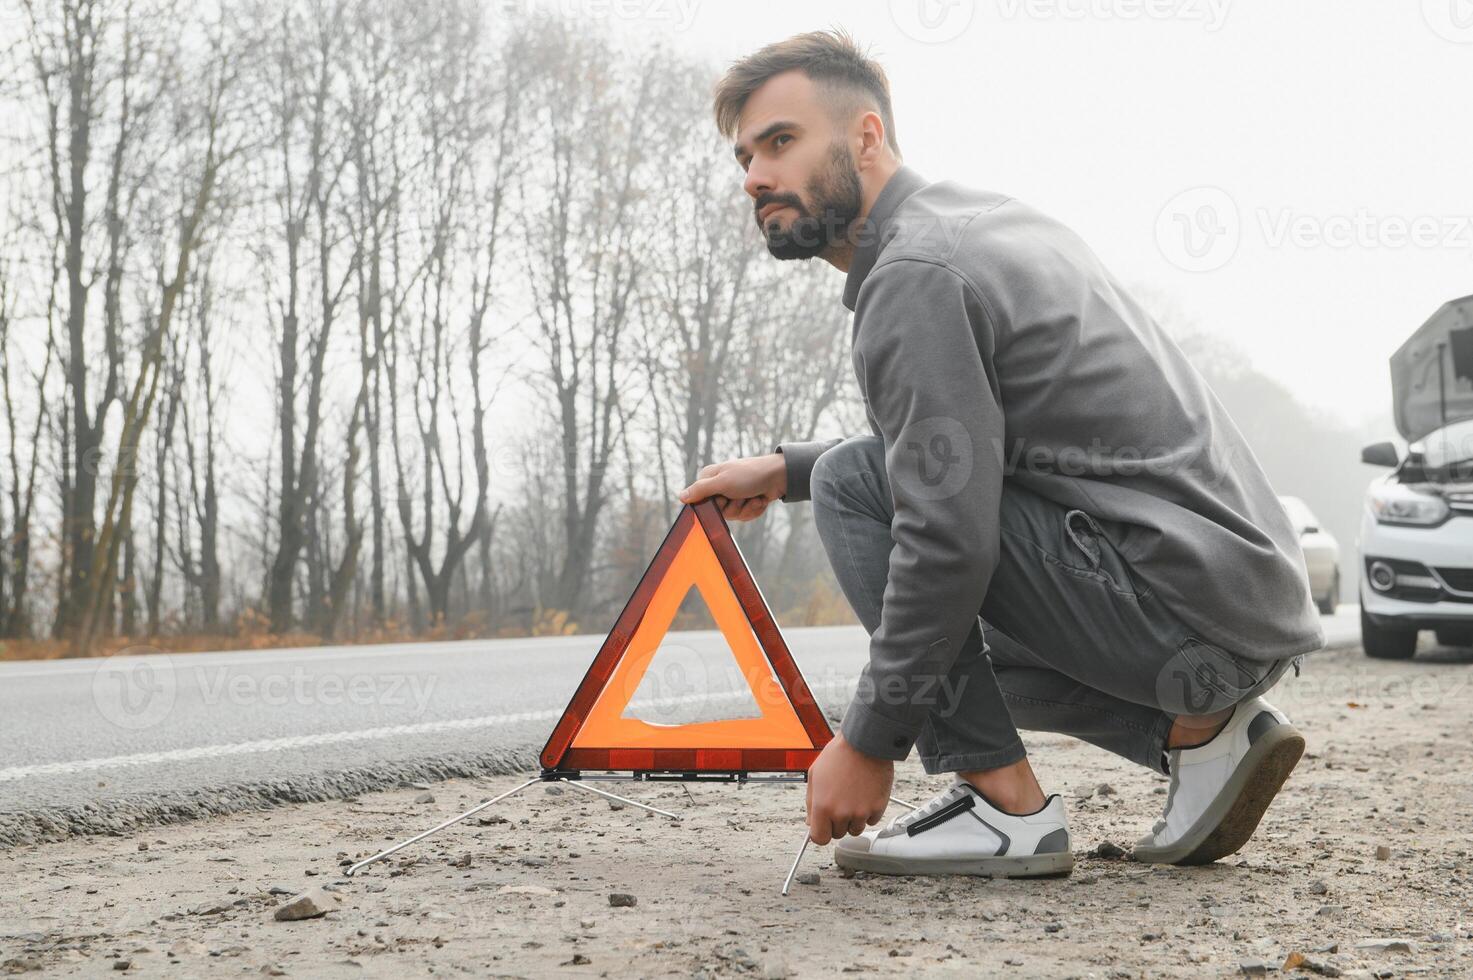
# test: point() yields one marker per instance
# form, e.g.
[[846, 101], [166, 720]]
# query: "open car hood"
[[1420, 403]]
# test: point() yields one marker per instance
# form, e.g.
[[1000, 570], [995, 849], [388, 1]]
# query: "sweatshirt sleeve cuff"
[[876, 735], [798, 460]]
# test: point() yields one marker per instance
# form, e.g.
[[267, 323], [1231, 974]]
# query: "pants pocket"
[[1097, 556]]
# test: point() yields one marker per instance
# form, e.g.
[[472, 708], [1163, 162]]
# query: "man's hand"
[[847, 791], [742, 487]]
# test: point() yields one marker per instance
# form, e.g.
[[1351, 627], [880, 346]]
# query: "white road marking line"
[[365, 734], [306, 657]]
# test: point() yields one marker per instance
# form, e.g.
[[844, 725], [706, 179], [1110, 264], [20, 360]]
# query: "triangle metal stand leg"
[[576, 784], [435, 830], [497, 799]]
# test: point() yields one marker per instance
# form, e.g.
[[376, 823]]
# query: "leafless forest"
[[343, 321], [373, 319]]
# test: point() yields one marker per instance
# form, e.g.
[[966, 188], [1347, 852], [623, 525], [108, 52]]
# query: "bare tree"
[[173, 398], [470, 119], [20, 492], [585, 232], [96, 69], [202, 460], [203, 142], [303, 111]]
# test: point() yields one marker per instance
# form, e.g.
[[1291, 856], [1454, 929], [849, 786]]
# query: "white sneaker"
[[1220, 789], [959, 832]]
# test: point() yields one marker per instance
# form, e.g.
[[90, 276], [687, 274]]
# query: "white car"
[[1321, 554], [1416, 541]]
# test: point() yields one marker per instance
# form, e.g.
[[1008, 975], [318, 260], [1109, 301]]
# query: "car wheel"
[[1454, 637], [1385, 644], [1332, 597]]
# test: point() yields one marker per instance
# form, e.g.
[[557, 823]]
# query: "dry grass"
[[821, 605]]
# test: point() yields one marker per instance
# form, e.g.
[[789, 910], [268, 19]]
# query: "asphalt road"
[[99, 745]]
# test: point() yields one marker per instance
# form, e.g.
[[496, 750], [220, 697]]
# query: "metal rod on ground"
[[435, 830], [622, 799], [794, 869]]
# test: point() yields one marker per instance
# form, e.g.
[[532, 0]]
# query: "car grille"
[[1412, 574], [1461, 502], [1458, 579]]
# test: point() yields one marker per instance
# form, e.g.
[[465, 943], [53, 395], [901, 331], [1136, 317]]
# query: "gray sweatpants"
[[1074, 641]]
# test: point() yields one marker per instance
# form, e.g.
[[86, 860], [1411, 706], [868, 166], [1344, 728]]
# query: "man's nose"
[[758, 182]]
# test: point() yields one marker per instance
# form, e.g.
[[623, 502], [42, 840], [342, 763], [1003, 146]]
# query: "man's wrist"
[[777, 479]]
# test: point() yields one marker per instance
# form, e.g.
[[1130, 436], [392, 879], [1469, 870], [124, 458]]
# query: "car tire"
[[1332, 597], [1385, 644], [1454, 637]]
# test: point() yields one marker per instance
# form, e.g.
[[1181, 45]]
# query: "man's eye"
[[778, 139]]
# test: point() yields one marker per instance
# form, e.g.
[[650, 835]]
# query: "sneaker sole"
[[1230, 819], [1053, 865]]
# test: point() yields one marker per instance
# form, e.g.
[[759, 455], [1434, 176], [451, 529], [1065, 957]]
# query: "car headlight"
[[1395, 503]]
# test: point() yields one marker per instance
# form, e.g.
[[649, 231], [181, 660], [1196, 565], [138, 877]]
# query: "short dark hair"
[[831, 58]]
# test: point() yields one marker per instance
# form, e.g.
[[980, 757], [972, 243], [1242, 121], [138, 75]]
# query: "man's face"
[[801, 175]]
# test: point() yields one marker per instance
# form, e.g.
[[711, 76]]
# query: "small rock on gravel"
[[622, 900], [808, 878], [1109, 850], [425, 798], [212, 908], [1298, 961], [311, 904]]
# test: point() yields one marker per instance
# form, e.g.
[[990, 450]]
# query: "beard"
[[833, 204]]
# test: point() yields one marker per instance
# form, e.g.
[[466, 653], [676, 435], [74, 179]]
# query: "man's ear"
[[870, 144]]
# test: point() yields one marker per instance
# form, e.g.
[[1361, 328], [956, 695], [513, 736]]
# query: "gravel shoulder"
[[1360, 867]]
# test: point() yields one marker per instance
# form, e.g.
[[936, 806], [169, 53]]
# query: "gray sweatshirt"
[[989, 344]]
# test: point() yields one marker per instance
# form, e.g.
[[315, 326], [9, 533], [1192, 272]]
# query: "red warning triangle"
[[594, 733]]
